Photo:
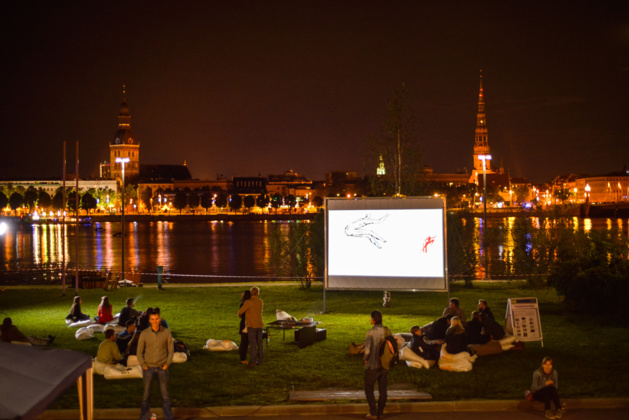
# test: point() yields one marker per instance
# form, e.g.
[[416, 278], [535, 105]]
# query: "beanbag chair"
[[132, 361], [220, 345], [83, 323], [99, 367], [96, 328], [401, 342], [492, 347], [180, 357], [84, 333], [283, 316], [507, 342], [413, 360], [117, 328], [122, 372], [460, 362]]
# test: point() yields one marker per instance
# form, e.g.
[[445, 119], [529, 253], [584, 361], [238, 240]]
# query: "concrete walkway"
[[608, 408]]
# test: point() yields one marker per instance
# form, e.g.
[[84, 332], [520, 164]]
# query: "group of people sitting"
[[453, 330]]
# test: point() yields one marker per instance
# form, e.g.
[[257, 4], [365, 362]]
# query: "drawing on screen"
[[358, 229], [428, 241]]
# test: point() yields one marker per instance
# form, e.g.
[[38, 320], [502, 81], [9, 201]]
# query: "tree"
[[193, 200], [147, 195], [249, 201], [221, 200], [16, 201], [206, 201], [235, 202], [399, 149], [180, 201], [4, 201], [88, 202], [44, 201], [262, 200], [317, 201], [30, 197], [276, 201], [57, 201], [290, 201]]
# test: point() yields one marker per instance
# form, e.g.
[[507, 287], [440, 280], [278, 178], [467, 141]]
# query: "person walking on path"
[[155, 354], [252, 311], [374, 372], [544, 388]]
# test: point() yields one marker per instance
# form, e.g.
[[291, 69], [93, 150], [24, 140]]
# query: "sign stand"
[[522, 319]]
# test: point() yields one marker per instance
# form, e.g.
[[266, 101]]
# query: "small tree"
[[206, 201], [16, 201], [30, 198], [147, 195], [44, 200], [235, 202], [193, 200], [180, 201], [249, 201], [57, 201], [4, 201], [221, 200], [276, 201], [262, 200], [317, 201], [290, 201], [88, 202]]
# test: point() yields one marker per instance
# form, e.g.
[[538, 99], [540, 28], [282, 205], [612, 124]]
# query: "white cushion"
[[460, 362], [180, 357], [506, 342], [83, 323], [122, 372], [220, 345], [413, 360], [283, 316], [84, 333]]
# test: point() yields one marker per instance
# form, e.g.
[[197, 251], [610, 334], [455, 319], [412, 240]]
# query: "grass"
[[587, 350]]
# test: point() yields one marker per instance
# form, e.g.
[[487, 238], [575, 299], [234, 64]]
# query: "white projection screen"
[[386, 244]]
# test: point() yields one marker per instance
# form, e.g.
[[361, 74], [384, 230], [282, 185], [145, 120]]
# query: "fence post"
[[160, 271]]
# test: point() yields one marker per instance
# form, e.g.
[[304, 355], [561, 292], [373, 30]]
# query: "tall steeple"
[[481, 142], [124, 144]]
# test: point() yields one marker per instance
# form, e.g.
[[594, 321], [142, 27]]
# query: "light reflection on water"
[[198, 248]]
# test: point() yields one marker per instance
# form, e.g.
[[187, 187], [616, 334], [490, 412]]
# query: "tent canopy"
[[32, 378]]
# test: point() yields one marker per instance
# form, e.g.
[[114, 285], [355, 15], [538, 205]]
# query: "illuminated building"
[[481, 141], [124, 145]]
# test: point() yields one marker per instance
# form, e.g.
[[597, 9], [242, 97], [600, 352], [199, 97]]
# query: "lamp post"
[[587, 193], [122, 161], [485, 158]]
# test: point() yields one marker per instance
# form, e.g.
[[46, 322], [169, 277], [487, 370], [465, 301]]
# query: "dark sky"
[[257, 87]]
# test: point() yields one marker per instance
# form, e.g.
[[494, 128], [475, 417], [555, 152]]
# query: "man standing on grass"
[[252, 308], [373, 369], [155, 354]]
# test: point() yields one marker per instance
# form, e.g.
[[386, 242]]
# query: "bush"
[[591, 271]]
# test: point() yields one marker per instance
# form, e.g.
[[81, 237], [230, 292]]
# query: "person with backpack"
[[374, 371]]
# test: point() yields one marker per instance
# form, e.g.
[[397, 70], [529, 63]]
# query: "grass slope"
[[587, 350]]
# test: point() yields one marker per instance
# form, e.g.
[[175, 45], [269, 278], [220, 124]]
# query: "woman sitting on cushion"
[[104, 311], [75, 311], [456, 337]]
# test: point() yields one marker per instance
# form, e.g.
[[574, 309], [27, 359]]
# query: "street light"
[[122, 161], [587, 193], [485, 158]]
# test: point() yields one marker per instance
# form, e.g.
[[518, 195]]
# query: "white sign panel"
[[523, 319]]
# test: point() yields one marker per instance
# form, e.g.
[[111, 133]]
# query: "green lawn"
[[587, 351]]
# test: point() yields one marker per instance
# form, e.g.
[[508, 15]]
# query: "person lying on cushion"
[[421, 348], [9, 333]]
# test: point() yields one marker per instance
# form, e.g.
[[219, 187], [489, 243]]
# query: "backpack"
[[389, 356], [182, 347]]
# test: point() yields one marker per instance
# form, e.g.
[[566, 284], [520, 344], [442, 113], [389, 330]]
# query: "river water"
[[206, 251]]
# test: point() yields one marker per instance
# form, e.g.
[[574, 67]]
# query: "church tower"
[[124, 145], [481, 143]]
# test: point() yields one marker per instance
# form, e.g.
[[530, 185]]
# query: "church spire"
[[481, 142], [124, 117]]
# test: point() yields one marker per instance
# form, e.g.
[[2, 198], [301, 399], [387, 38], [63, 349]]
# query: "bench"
[[329, 395]]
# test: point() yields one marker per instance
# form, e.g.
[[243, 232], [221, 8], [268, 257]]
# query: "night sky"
[[260, 87]]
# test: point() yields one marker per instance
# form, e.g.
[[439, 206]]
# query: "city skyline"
[[246, 88]]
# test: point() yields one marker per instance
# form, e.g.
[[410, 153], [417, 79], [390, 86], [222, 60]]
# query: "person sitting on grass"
[[437, 331], [421, 348], [474, 330], [105, 313], [128, 313], [75, 311], [9, 333], [454, 309], [484, 309], [544, 388], [125, 337], [108, 352], [491, 329], [456, 337]]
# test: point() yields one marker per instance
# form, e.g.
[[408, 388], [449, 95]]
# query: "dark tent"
[[31, 378]]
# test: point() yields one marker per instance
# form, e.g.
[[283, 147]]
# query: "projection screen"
[[386, 244]]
